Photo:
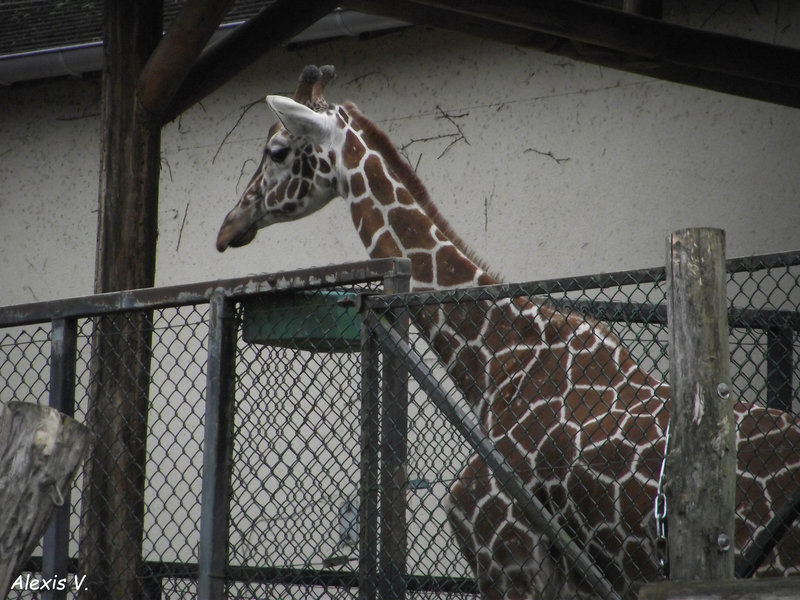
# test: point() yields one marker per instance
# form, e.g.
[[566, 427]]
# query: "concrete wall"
[[563, 168]]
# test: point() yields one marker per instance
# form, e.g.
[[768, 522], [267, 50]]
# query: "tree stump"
[[40, 451]]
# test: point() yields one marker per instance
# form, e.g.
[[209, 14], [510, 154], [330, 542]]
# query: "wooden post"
[[113, 507], [701, 461], [127, 226], [40, 451]]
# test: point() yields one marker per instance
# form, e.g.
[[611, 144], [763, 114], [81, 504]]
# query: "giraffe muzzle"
[[236, 231]]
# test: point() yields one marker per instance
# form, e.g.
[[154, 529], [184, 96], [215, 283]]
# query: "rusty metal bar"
[[217, 449], [586, 282], [512, 290], [369, 481], [63, 354], [394, 451], [780, 366], [467, 425], [198, 293]]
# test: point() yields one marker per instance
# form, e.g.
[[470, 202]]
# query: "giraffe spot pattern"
[[421, 266], [557, 393], [354, 151], [357, 185], [368, 219], [593, 384], [411, 227]]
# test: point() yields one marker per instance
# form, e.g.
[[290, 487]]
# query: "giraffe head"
[[296, 176]]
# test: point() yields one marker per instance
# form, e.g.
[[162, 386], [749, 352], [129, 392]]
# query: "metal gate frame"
[[384, 328], [212, 571]]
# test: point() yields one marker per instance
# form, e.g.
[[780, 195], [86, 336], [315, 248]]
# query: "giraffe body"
[[557, 393]]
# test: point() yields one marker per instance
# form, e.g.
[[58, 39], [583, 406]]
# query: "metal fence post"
[[394, 451], [368, 493], [780, 343], [217, 449], [466, 423], [701, 462], [63, 354]]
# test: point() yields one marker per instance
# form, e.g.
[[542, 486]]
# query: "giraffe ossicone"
[[558, 393], [313, 126]]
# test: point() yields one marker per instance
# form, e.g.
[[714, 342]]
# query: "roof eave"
[[76, 60]]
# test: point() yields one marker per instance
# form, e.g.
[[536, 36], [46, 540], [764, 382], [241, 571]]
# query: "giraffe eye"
[[279, 155]]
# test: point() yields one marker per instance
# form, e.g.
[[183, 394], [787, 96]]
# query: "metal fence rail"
[[286, 504]]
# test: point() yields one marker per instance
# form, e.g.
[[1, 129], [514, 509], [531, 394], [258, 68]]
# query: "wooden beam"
[[443, 18], [178, 50], [640, 36], [610, 38], [733, 589], [645, 8], [274, 25]]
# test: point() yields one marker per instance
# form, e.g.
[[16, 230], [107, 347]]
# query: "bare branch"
[[245, 108], [547, 154]]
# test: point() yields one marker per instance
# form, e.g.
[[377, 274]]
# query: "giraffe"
[[557, 392]]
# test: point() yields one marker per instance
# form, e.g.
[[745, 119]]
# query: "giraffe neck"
[[395, 217], [393, 213]]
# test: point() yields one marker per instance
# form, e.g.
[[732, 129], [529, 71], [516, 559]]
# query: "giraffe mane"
[[378, 140]]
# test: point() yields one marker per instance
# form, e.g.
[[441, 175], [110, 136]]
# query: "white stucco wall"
[[564, 168]]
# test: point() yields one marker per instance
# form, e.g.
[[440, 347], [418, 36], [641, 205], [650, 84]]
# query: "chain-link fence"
[[336, 471]]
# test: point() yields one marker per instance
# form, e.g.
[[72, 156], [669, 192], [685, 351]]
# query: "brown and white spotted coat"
[[558, 394]]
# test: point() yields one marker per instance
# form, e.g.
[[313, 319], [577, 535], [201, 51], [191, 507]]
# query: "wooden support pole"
[[113, 499], [113, 502], [40, 451], [127, 224], [701, 463]]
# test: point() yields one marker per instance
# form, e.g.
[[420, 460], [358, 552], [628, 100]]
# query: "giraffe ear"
[[300, 120]]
